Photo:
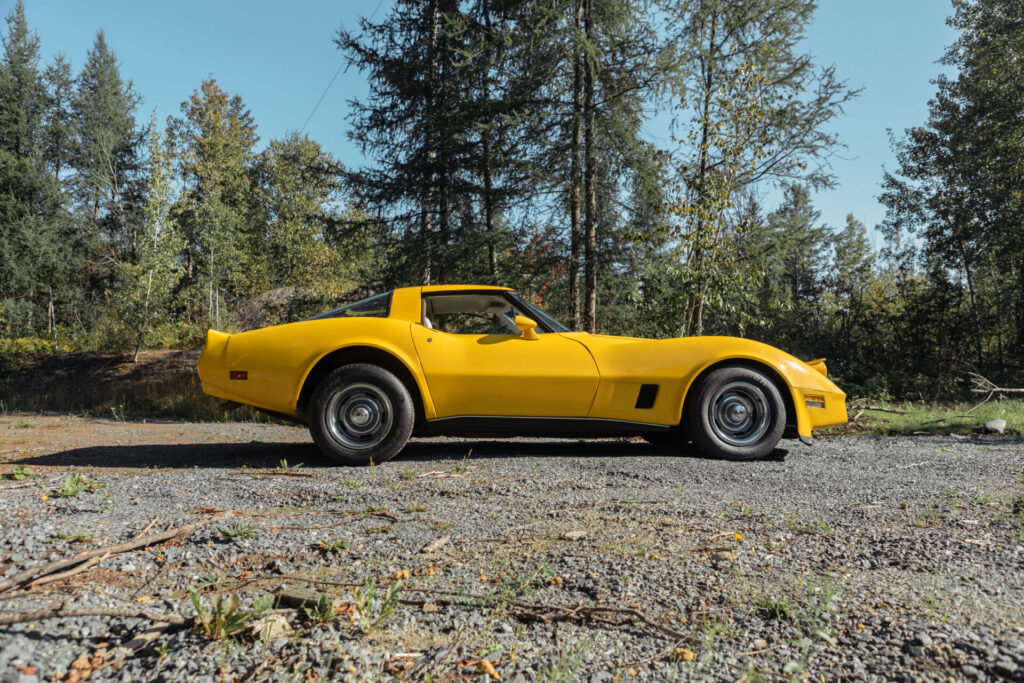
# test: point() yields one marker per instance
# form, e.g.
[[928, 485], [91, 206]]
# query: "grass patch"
[[933, 418]]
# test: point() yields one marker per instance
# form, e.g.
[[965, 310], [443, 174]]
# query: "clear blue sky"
[[280, 56]]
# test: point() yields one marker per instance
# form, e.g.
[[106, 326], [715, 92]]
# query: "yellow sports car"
[[476, 360]]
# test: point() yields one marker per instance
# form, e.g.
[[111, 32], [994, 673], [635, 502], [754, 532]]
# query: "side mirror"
[[526, 326]]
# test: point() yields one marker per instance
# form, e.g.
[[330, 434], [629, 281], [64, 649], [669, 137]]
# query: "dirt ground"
[[872, 558]]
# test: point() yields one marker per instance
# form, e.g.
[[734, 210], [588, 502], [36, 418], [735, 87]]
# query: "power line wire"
[[333, 78]]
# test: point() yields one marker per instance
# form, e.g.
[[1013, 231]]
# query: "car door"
[[506, 374]]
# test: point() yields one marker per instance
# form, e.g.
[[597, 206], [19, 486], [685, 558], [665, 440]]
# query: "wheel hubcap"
[[359, 416], [739, 413]]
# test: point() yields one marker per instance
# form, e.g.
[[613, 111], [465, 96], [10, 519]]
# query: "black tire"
[[736, 413], [361, 414]]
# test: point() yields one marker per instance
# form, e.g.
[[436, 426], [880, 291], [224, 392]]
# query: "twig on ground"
[[885, 410], [982, 385], [53, 578], [527, 610], [276, 473], [10, 618], [139, 541]]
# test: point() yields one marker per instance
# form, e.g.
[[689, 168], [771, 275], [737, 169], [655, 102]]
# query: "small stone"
[[436, 544], [429, 607], [995, 426], [923, 639], [274, 626], [1005, 668], [574, 535], [969, 670], [128, 567], [760, 643], [723, 556]]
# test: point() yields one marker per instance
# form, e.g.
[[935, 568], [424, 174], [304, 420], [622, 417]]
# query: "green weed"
[[771, 608], [237, 532], [371, 608], [73, 485], [322, 612], [331, 547], [70, 538], [20, 473], [225, 617]]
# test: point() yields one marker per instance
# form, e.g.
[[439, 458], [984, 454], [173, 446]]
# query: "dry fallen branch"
[[29, 617], [524, 610], [32, 574], [981, 385], [884, 410], [53, 578]]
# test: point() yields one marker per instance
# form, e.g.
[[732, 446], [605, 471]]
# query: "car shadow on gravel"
[[259, 454]]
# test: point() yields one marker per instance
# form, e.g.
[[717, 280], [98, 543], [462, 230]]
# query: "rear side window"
[[375, 307]]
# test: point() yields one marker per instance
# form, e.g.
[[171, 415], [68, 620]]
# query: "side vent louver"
[[645, 399]]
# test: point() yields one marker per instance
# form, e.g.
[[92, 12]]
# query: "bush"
[[25, 345]]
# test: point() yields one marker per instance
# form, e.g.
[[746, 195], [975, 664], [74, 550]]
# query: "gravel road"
[[856, 558]]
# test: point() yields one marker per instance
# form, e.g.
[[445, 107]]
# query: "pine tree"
[[33, 254], [108, 182], [213, 143], [58, 118], [958, 185]]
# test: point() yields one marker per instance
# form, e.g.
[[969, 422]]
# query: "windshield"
[[375, 307], [537, 314]]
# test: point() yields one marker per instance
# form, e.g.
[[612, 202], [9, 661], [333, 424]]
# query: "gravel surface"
[[857, 558]]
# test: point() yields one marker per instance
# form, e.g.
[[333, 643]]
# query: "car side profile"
[[472, 360]]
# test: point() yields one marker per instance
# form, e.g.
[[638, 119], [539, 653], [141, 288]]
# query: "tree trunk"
[[430, 153], [974, 304], [589, 181], [575, 233], [53, 323], [1020, 307], [492, 249], [145, 317], [695, 325]]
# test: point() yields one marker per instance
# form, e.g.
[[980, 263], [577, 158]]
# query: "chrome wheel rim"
[[739, 414], [359, 416]]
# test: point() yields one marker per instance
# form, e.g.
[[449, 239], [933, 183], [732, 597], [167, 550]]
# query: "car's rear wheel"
[[737, 413], [361, 414]]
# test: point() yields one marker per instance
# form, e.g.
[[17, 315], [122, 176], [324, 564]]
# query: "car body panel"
[[674, 364], [558, 375], [278, 359], [506, 375]]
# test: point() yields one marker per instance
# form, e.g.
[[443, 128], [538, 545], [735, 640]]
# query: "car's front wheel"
[[737, 413], [361, 414]]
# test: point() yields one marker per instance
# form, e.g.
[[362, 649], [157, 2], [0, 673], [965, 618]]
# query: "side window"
[[375, 307], [469, 314]]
